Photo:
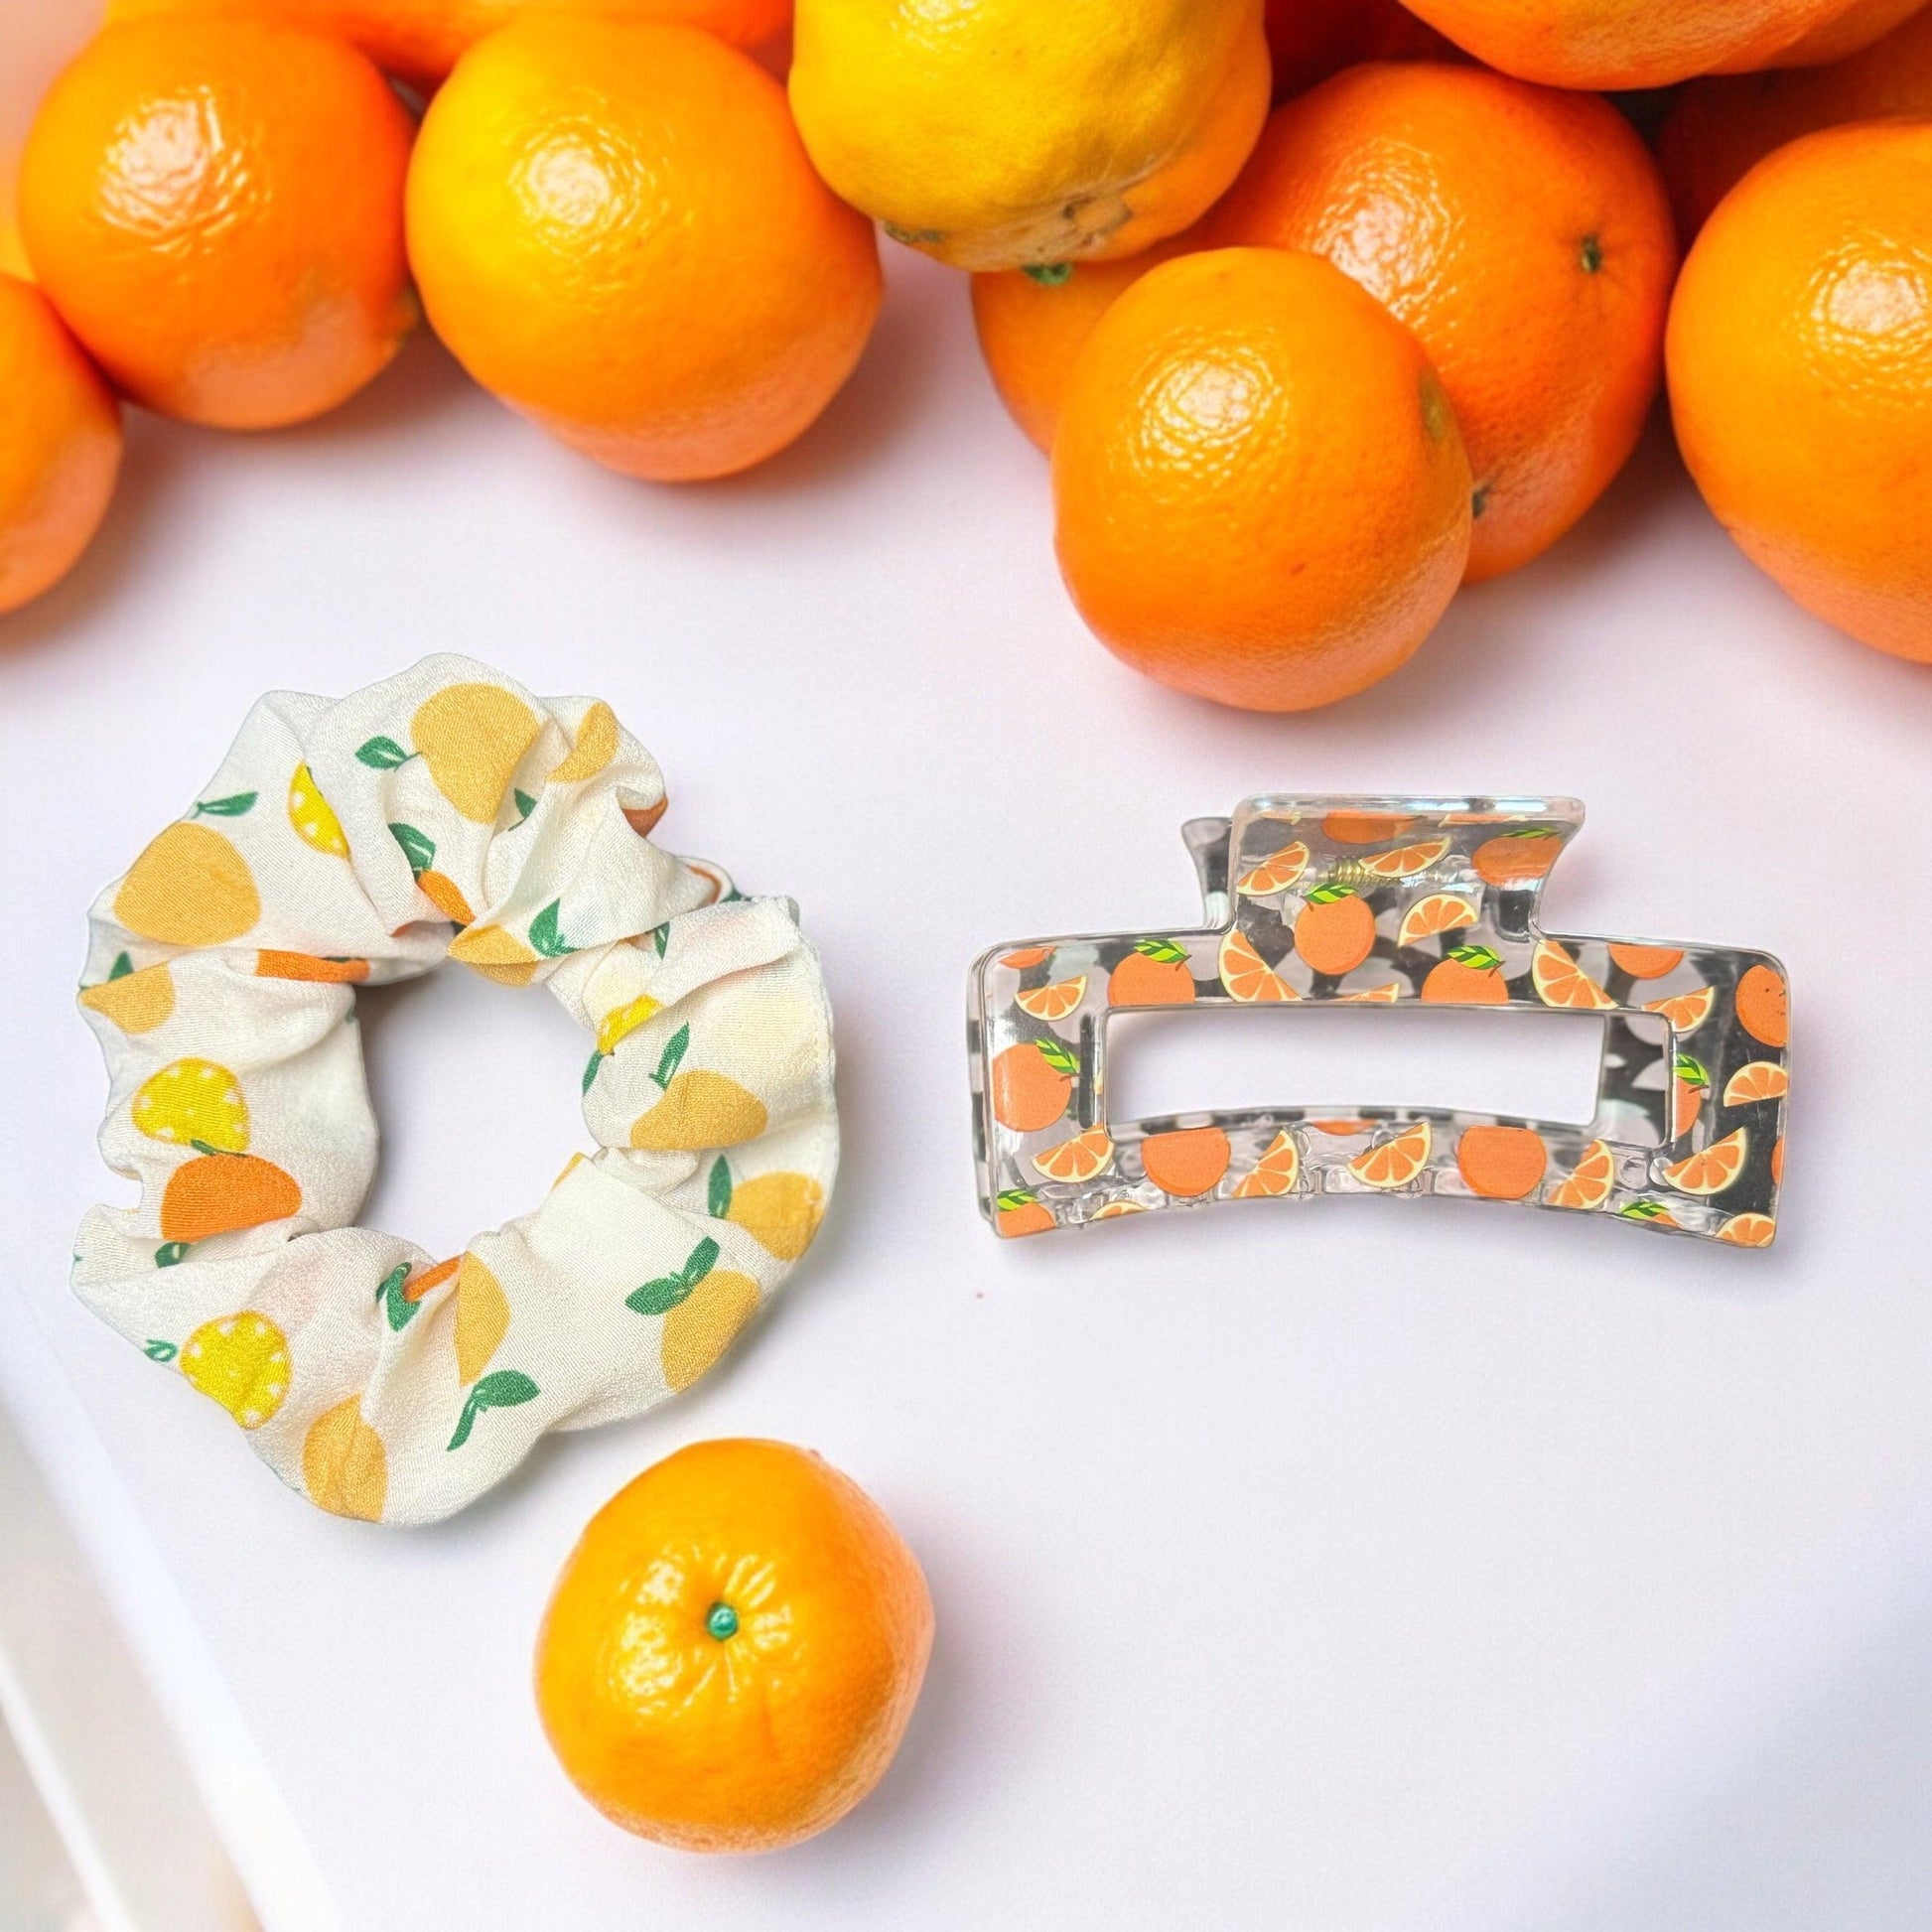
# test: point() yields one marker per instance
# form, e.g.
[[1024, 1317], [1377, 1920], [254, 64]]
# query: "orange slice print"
[[1377, 995], [1274, 1175], [1561, 982], [1024, 957], [1114, 1209], [1248, 977], [1343, 1130], [1645, 962], [1438, 912], [1712, 1171], [1079, 1158], [1276, 873], [1760, 1080], [1750, 1230], [1396, 1162], [1053, 1002], [1364, 828], [1588, 1183], [1687, 1012], [1406, 860]]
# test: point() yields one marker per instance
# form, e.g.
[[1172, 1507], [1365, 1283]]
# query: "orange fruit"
[[1438, 912], [1522, 234], [1363, 828], [1032, 1084], [60, 446], [1406, 860], [216, 1193], [1720, 127], [1274, 1175], [420, 40], [1561, 982], [1394, 1162], [1844, 31], [1079, 1158], [1501, 1162], [1113, 1211], [1763, 1005], [1760, 1080], [1274, 873], [1777, 1162], [1309, 40], [1187, 1162], [732, 1649], [270, 965], [1248, 977], [1467, 976], [1515, 858], [1334, 931], [1625, 44], [616, 229], [1800, 353], [1216, 388], [1386, 994], [1645, 962], [1025, 956], [1154, 974], [215, 210], [1018, 1213], [1750, 1230], [1685, 1012], [1713, 1168], [1590, 1181], [1053, 1002]]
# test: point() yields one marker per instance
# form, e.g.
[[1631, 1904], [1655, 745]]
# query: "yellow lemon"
[[596, 747], [482, 1318], [700, 1109], [495, 954], [703, 1325], [313, 817], [781, 1211], [344, 1464], [193, 1103], [136, 1003], [1006, 134], [189, 888], [240, 1361], [472, 737], [624, 1020]]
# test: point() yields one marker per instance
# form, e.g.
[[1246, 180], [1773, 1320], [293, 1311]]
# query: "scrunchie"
[[444, 811]]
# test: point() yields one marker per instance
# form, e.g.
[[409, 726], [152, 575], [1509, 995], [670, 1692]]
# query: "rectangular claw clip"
[[1392, 900]]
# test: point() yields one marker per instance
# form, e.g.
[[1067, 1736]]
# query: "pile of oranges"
[[1323, 308]]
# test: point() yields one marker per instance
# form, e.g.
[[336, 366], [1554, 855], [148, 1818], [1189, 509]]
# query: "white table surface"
[[1378, 1565]]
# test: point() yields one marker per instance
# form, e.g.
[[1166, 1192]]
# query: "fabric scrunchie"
[[442, 811]]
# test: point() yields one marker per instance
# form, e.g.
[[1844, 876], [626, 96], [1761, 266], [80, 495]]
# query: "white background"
[[1373, 1565]]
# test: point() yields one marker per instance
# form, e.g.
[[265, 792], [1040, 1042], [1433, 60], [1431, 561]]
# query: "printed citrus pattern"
[[137, 1003], [596, 747], [271, 965], [482, 1318], [472, 737], [1713, 1168], [1186, 1163], [1457, 883], [189, 887], [193, 1103], [218, 1193], [1277, 1173], [344, 1468], [495, 954], [313, 817], [240, 1361], [1394, 1162], [780, 1212], [1750, 1230], [700, 1109], [1246, 976]]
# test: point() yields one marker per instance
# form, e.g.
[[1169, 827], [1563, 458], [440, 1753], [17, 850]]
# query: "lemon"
[[136, 1003], [344, 1464], [700, 1109], [703, 1325], [495, 954], [189, 888], [472, 737], [622, 1021], [240, 1361], [1006, 134], [482, 1318], [596, 747], [313, 817], [193, 1103], [781, 1211]]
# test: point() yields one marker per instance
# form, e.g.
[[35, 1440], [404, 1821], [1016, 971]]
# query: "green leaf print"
[[171, 1252], [401, 1310], [718, 1189], [589, 1070], [234, 807], [672, 1057], [503, 1388], [544, 934], [417, 847], [382, 753], [121, 967], [1166, 951], [1059, 1056], [661, 937], [663, 1295], [161, 1351], [525, 806], [1478, 959]]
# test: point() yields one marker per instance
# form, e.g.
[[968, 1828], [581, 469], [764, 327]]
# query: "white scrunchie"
[[444, 811]]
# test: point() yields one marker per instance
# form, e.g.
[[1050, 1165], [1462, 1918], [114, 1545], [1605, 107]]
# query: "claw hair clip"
[[1399, 901]]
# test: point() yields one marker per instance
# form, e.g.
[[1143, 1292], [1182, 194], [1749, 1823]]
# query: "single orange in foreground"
[[1799, 353], [1032, 1084], [732, 1649], [216, 1193], [616, 229], [1763, 1005], [1522, 234], [60, 446], [215, 208], [1261, 491]]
